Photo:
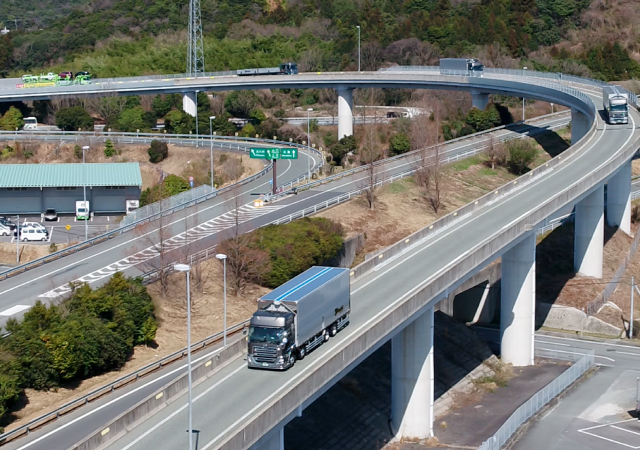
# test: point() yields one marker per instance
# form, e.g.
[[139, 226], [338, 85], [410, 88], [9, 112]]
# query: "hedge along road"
[[192, 229], [78, 423]]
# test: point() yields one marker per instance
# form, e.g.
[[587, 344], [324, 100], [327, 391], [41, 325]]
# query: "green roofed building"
[[34, 188]]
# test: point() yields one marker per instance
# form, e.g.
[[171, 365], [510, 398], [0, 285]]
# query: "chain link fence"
[[542, 397]]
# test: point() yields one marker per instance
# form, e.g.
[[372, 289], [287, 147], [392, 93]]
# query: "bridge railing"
[[540, 399], [556, 76]]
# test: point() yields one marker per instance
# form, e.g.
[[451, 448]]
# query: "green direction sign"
[[273, 153], [264, 153], [289, 153]]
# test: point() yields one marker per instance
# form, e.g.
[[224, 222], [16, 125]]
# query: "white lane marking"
[[624, 429], [577, 353], [627, 353], [14, 310], [629, 347], [554, 343], [607, 439], [182, 408], [117, 399]]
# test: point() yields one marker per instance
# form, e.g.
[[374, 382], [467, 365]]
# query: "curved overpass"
[[394, 294]]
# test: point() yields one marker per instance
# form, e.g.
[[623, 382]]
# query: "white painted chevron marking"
[[201, 231]]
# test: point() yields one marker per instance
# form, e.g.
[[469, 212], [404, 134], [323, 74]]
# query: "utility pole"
[[633, 288], [195, 56]]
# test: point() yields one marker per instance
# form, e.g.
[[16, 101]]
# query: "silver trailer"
[[616, 106], [298, 316], [453, 66]]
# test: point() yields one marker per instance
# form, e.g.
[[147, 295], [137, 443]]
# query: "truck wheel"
[[333, 330], [302, 352], [292, 359]]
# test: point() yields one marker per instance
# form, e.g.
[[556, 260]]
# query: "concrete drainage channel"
[[161, 398]]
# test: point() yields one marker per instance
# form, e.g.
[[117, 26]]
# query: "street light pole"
[[211, 118], [84, 191], [197, 135], [18, 240], [309, 144], [358, 27], [186, 268], [633, 287], [223, 258]]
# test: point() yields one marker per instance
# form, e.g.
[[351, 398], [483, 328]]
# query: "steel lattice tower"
[[195, 56]]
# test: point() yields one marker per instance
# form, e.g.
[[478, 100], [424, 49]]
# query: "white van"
[[30, 123], [82, 210], [32, 234]]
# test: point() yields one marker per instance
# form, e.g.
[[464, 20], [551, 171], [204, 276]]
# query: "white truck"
[[616, 105], [298, 316], [30, 123], [453, 66], [82, 210]]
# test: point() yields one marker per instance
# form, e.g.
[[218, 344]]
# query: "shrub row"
[[91, 332]]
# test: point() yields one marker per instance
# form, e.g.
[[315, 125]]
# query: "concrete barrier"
[[171, 391]]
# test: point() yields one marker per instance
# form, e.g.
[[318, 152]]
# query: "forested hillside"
[[132, 37]]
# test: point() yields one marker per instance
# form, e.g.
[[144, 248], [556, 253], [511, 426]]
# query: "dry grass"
[[28, 252]]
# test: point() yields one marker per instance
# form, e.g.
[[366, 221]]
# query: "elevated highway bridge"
[[394, 293]]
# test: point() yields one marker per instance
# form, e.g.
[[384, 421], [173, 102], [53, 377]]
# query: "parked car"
[[66, 75], [50, 214], [35, 225], [82, 73], [6, 222], [5, 230], [32, 234]]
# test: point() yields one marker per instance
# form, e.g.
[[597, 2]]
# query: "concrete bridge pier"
[[273, 440], [619, 199], [189, 103], [518, 296], [412, 379], [345, 112], [579, 125], [589, 234], [479, 100]]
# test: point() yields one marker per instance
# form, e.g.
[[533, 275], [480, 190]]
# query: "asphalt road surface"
[[600, 413]]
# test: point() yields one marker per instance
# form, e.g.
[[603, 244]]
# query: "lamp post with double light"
[[186, 269]]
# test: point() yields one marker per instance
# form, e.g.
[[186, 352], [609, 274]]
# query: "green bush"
[[399, 143], [179, 122], [248, 131], [342, 147], [522, 152], [77, 151], [11, 120], [73, 119], [171, 185], [91, 332], [292, 248], [109, 150], [158, 151]]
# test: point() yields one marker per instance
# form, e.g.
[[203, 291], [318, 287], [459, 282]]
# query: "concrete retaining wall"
[[161, 398]]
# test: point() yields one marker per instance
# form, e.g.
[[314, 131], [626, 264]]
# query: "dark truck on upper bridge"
[[283, 69], [298, 316]]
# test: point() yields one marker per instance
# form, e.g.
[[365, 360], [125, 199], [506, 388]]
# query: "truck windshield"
[[262, 334], [618, 108]]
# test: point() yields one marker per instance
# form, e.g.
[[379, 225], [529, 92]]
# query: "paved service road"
[[596, 415]]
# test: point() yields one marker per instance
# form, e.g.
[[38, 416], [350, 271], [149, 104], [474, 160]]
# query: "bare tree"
[[428, 164], [369, 154], [371, 55], [156, 237], [495, 152], [244, 263]]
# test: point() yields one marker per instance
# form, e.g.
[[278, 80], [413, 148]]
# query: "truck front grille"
[[265, 354]]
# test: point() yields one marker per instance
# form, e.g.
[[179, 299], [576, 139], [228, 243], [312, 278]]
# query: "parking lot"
[[60, 234], [623, 434]]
